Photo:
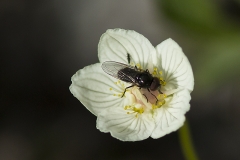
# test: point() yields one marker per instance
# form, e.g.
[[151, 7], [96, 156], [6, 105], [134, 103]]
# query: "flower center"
[[142, 100]]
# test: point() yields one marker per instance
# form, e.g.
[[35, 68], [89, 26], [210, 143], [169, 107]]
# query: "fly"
[[133, 75]]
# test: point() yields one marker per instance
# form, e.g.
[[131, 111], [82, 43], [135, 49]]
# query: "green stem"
[[186, 143]]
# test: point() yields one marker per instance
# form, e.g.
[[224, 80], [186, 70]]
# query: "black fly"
[[130, 74]]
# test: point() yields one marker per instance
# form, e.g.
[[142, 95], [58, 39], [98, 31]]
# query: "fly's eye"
[[155, 84]]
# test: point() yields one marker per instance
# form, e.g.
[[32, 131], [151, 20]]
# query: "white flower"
[[137, 115]]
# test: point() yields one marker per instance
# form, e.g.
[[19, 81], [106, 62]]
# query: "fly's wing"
[[120, 71]]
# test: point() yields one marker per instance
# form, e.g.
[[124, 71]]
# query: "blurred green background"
[[43, 43]]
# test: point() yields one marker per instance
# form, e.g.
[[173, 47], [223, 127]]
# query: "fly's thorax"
[[144, 79]]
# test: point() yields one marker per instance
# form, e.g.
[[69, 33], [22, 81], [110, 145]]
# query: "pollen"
[[162, 82], [158, 105], [132, 109], [138, 66], [160, 102], [117, 92], [158, 74], [154, 71], [161, 96]]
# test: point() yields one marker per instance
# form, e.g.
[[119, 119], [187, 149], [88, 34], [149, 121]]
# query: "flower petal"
[[125, 127], [177, 70], [115, 44], [91, 86], [170, 116]]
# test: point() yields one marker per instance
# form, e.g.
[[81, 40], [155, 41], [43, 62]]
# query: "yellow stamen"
[[138, 66], [157, 73], [116, 92], [161, 96], [158, 105], [134, 110], [162, 82]]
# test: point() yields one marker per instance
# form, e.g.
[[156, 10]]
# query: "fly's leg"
[[153, 95], [144, 94], [160, 91], [146, 97], [126, 89]]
